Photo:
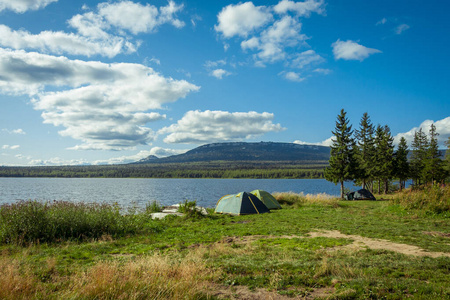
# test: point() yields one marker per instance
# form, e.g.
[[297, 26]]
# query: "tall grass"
[[148, 277], [32, 221], [433, 198], [299, 199]]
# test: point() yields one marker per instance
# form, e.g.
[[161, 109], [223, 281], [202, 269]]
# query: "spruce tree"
[[384, 152], [401, 165], [342, 161], [418, 156], [433, 165], [365, 150]]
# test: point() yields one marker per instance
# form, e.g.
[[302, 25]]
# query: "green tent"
[[240, 204], [267, 199]]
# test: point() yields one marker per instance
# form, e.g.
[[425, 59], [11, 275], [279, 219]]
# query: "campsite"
[[315, 247]]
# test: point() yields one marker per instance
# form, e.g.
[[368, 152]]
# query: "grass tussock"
[[298, 200], [433, 198], [28, 222]]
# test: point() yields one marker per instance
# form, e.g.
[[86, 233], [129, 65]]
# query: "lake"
[[128, 191]]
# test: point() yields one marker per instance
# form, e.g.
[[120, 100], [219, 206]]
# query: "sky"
[[107, 82]]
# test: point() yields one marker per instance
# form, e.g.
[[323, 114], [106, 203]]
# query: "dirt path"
[[360, 242]]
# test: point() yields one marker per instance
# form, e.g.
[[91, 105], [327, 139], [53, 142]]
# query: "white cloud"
[[198, 127], [381, 22], [219, 73], [328, 142], [138, 18], [323, 71], [56, 161], [60, 42], [104, 105], [14, 131], [302, 9], [241, 19], [271, 32], [21, 6], [442, 127], [350, 50], [14, 147], [293, 76], [307, 58], [401, 28], [273, 41]]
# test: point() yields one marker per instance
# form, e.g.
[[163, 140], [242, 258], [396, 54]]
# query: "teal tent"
[[240, 204], [267, 199]]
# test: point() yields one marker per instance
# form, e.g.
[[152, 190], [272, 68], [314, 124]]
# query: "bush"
[[153, 207], [190, 209], [28, 222], [433, 198]]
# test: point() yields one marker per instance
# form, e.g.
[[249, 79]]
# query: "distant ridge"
[[240, 151]]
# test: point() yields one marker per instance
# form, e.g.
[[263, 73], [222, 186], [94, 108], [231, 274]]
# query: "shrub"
[[153, 207], [190, 209], [30, 221]]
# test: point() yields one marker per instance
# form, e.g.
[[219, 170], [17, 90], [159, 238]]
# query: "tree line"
[[368, 156]]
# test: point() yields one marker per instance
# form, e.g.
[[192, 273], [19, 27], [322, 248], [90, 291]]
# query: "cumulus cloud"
[[442, 127], [198, 127], [401, 28], [350, 50], [61, 42], [219, 73], [241, 19], [293, 76], [272, 33], [137, 18], [57, 161], [302, 9], [99, 32], [21, 6], [328, 142], [104, 105]]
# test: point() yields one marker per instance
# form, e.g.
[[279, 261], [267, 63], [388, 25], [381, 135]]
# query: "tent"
[[240, 204], [361, 194], [267, 199]]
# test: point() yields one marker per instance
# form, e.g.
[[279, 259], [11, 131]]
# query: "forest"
[[368, 156], [213, 169]]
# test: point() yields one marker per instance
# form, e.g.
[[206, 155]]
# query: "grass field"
[[315, 247]]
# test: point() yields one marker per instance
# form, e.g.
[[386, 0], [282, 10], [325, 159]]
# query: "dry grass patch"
[[300, 199]]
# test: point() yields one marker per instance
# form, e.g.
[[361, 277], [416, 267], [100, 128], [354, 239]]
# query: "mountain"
[[239, 151]]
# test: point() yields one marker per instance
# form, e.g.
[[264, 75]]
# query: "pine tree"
[[433, 166], [365, 150], [342, 161], [419, 147], [401, 165]]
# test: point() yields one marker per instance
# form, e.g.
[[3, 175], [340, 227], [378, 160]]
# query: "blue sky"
[[98, 82]]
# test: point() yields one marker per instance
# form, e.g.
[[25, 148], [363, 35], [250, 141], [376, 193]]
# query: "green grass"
[[190, 257]]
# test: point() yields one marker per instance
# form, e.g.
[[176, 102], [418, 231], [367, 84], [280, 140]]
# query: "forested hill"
[[263, 151]]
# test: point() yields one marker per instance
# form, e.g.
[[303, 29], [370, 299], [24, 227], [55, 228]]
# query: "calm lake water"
[[127, 191]]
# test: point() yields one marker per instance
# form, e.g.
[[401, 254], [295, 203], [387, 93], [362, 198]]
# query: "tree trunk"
[[379, 186], [386, 186], [342, 189]]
